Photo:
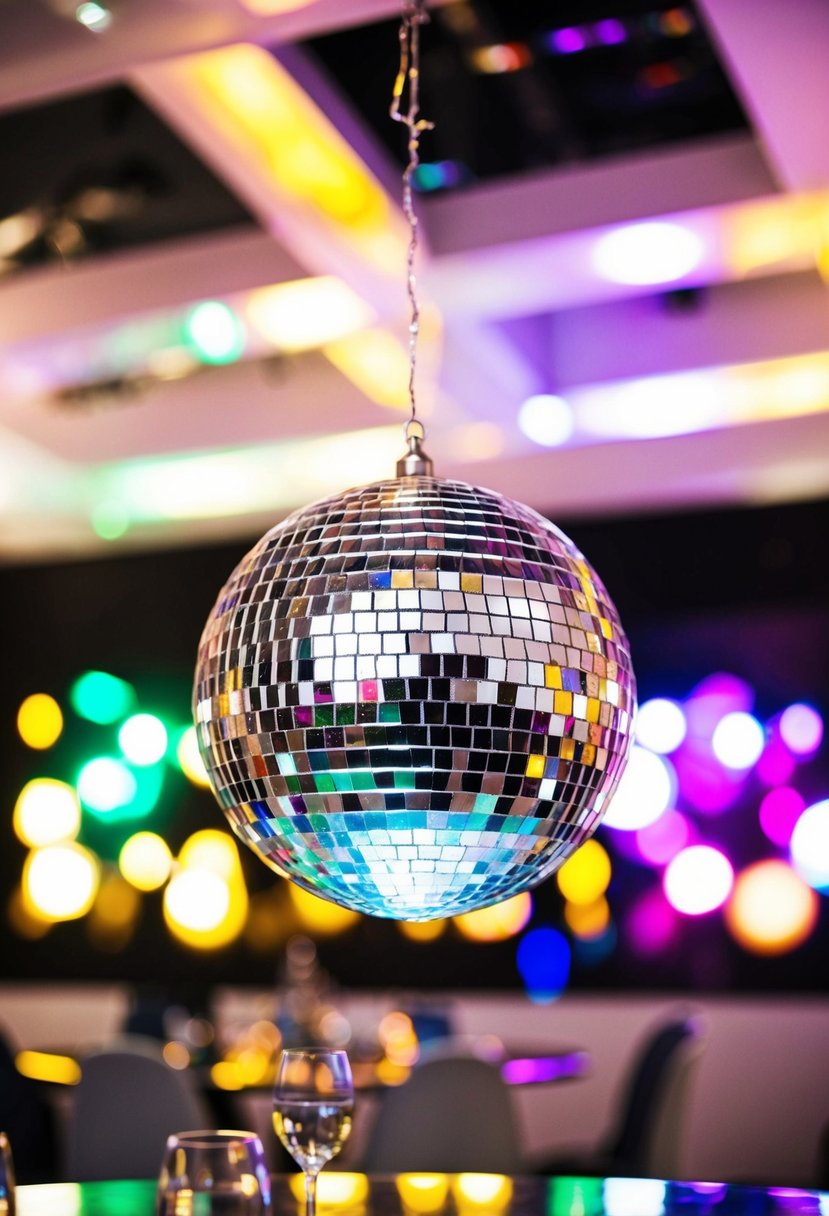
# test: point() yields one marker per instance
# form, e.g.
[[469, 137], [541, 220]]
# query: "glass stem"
[[311, 1194]]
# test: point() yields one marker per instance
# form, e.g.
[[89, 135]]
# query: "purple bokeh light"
[[801, 729], [779, 812], [651, 924], [660, 842], [567, 41], [610, 32]]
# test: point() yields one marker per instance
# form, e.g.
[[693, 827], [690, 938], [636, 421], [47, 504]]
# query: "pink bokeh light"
[[779, 812]]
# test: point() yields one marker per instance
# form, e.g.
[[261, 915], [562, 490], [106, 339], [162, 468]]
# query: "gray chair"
[[647, 1136], [126, 1104], [454, 1113]]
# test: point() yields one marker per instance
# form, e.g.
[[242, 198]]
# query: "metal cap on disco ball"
[[414, 698]]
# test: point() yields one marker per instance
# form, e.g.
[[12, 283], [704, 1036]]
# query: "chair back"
[[126, 1104], [650, 1132], [453, 1114]]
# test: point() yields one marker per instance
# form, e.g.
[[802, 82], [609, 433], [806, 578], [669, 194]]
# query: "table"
[[455, 1195]]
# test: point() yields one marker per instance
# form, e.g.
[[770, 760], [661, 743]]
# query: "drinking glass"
[[313, 1100], [210, 1172], [6, 1177]]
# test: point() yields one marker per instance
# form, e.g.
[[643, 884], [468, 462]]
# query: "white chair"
[[452, 1114], [126, 1104]]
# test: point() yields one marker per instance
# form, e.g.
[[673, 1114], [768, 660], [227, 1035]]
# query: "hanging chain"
[[414, 16]]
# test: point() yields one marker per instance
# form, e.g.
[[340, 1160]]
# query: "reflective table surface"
[[455, 1195]]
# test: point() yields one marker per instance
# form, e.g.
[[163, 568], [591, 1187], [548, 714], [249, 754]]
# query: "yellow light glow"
[[422, 931], [335, 1188], [210, 850], [203, 909], [376, 362], [498, 922], [587, 920], [771, 234], [189, 758], [225, 1074], [60, 881], [423, 1194], [39, 721], [46, 1066], [46, 812], [586, 875], [396, 1032], [260, 108], [490, 1191], [389, 1073], [319, 915], [771, 910], [114, 913], [476, 441], [22, 921], [305, 314], [145, 861]]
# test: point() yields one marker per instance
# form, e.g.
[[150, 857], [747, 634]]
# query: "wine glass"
[[213, 1171], [313, 1100]]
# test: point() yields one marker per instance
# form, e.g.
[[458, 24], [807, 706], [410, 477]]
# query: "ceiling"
[[203, 312]]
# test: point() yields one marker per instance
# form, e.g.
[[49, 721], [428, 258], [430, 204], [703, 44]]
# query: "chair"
[[452, 1114], [647, 1136], [28, 1119], [126, 1104]]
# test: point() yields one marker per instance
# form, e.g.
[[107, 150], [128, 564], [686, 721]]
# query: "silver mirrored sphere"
[[414, 698]]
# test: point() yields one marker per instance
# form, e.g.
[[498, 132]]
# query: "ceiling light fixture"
[[414, 698], [647, 254]]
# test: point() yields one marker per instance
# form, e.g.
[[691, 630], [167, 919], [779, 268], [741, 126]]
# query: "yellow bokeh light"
[[268, 8], [586, 875], [588, 920], [377, 362], [145, 861], [273, 125], [210, 850], [46, 812], [39, 721], [225, 1074], [490, 1191], [305, 314], [22, 921], [114, 914], [424, 1194], [498, 922], [335, 1188], [771, 909], [319, 915], [189, 758], [203, 909], [60, 881], [176, 1055], [422, 930], [47, 1066]]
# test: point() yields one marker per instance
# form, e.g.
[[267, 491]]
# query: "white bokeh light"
[[698, 880], [738, 740], [810, 845], [143, 739], [660, 725], [645, 791], [801, 729], [546, 419], [656, 252]]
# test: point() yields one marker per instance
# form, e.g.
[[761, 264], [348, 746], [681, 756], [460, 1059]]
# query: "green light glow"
[[100, 697], [109, 520], [214, 333]]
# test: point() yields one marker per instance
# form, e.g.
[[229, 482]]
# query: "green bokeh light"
[[101, 697], [214, 333]]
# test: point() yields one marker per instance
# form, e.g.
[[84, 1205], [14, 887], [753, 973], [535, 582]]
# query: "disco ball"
[[414, 698]]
